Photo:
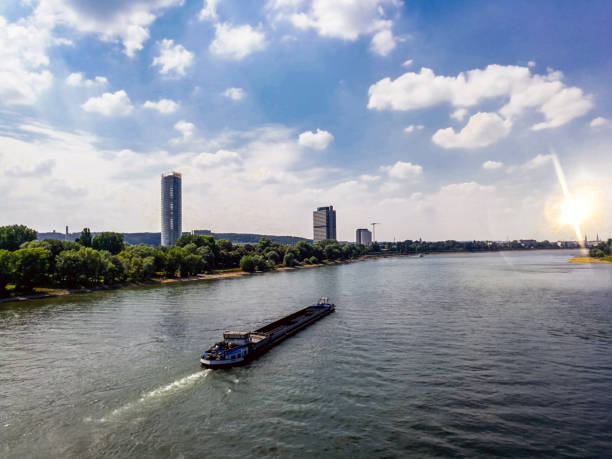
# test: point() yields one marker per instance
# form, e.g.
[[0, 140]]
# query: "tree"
[[6, 270], [85, 238], [112, 242], [304, 250], [11, 237], [31, 267], [273, 257], [247, 264], [289, 259], [174, 259], [263, 244]]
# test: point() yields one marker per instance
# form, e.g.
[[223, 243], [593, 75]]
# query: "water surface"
[[501, 354]]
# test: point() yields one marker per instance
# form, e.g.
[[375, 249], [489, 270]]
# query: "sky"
[[439, 120]]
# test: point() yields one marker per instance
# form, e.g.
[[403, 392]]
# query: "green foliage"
[[313, 260], [289, 259], [111, 242], [6, 270], [83, 268], [85, 238], [11, 237], [263, 244], [31, 268], [136, 268], [247, 264], [273, 257]]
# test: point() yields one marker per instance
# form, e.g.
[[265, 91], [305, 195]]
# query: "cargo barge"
[[240, 347]]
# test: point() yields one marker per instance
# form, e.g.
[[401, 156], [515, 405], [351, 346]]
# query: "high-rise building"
[[363, 236], [171, 213], [324, 223]]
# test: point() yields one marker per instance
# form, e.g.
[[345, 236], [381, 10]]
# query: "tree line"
[[602, 250], [106, 259]]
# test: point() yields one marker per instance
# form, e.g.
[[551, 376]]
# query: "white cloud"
[[340, 19], [209, 10], [403, 170], [413, 127], [538, 161], [466, 188], [163, 106], [220, 158], [383, 42], [318, 140], [546, 93], [600, 121], [237, 42], [109, 104], [23, 58], [483, 129], [186, 129], [77, 79], [127, 21], [369, 178], [407, 63], [173, 59], [459, 114], [491, 165], [531, 64], [235, 93], [346, 20]]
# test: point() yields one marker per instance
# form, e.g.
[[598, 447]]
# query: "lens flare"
[[573, 210]]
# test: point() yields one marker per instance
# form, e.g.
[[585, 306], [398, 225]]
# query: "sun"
[[575, 210]]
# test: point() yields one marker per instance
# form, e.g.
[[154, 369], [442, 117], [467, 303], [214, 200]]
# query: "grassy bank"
[[604, 260]]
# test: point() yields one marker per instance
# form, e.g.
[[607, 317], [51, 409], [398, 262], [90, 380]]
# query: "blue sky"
[[438, 119]]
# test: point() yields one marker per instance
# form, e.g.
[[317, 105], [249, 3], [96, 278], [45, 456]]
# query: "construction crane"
[[374, 230]]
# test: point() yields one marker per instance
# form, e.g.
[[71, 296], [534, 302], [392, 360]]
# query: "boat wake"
[[173, 387]]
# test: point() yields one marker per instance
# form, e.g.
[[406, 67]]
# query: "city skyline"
[[366, 104]]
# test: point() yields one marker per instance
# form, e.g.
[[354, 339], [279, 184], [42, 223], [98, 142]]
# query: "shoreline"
[[54, 293], [590, 260]]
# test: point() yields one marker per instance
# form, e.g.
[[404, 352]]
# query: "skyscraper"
[[171, 213], [324, 223], [363, 236]]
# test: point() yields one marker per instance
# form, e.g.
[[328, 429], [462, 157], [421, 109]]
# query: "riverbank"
[[51, 293], [606, 260]]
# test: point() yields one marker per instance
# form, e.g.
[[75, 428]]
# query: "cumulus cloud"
[[459, 114], [23, 62], [466, 188], [77, 79], [220, 158], [109, 104], [383, 42], [547, 94], [163, 106], [346, 20], [209, 10], [173, 59], [234, 93], [538, 161], [531, 64], [403, 170], [413, 127], [186, 129], [483, 129], [237, 42], [600, 121], [127, 21], [491, 165], [318, 140]]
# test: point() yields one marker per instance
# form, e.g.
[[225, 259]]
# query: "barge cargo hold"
[[239, 347]]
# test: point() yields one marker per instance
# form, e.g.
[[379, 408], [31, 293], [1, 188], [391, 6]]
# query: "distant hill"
[[155, 238]]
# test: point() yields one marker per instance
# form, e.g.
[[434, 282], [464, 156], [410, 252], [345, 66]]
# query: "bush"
[[247, 264], [6, 270], [313, 260], [289, 259]]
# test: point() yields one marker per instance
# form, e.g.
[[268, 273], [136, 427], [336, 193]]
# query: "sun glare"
[[574, 210]]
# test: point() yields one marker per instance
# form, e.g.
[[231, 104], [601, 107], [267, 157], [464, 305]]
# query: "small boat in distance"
[[239, 347]]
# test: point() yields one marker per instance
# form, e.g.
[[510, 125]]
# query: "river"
[[498, 354]]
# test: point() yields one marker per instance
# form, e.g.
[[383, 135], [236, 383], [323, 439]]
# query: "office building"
[[363, 236], [324, 223], [171, 210]]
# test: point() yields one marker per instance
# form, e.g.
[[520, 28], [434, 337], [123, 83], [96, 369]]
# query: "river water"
[[501, 354]]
